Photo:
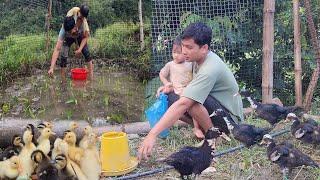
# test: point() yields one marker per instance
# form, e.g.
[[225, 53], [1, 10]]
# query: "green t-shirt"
[[213, 77]]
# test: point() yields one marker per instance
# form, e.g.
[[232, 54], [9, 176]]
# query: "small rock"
[[277, 101], [36, 99], [160, 159], [133, 136], [99, 122], [15, 87], [209, 170]]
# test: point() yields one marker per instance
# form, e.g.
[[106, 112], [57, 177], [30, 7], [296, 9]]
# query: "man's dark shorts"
[[211, 104], [64, 54]]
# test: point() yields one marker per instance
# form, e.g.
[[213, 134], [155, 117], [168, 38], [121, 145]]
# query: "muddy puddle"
[[113, 96]]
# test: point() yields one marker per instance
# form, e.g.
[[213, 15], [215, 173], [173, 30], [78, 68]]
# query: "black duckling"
[[31, 128], [245, 133], [273, 113], [193, 160], [307, 132], [46, 170], [61, 162], [13, 150], [285, 155]]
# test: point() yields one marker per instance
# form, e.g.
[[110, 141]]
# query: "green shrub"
[[118, 40], [18, 51], [121, 41]]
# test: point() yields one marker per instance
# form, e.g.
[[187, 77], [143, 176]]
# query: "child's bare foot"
[[198, 133]]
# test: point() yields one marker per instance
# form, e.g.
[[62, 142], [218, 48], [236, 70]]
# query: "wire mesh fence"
[[237, 37]]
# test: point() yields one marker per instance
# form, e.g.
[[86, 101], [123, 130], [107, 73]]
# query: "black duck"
[[245, 133], [273, 113], [193, 160], [285, 155]]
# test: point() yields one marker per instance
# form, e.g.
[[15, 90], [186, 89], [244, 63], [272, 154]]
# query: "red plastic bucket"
[[79, 73]]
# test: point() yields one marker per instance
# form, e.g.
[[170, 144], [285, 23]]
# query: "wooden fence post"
[[297, 53], [268, 48], [142, 45]]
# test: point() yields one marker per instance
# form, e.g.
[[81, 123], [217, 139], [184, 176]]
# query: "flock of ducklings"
[[38, 155]]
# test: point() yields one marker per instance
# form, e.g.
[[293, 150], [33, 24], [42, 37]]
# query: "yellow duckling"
[[86, 131], [10, 168], [30, 127], [75, 153], [45, 124], [90, 163], [72, 168], [27, 164], [73, 126], [57, 147], [44, 142], [70, 137]]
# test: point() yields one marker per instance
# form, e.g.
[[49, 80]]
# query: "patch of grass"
[[18, 52], [115, 42]]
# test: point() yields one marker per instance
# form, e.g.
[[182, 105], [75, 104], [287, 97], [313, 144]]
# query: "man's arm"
[[175, 111], [83, 41], [55, 55]]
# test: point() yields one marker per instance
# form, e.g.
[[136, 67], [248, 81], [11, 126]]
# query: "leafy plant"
[[106, 100], [68, 114], [118, 118], [72, 100], [5, 108]]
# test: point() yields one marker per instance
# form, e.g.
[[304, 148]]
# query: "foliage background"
[[115, 35]]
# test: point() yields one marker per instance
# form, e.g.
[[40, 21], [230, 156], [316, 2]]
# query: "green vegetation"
[[117, 40], [115, 35], [18, 52]]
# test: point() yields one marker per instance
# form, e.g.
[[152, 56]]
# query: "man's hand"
[[168, 85], [160, 89], [77, 52], [146, 146], [50, 72]]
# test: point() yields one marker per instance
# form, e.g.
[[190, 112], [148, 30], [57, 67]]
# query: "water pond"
[[113, 95]]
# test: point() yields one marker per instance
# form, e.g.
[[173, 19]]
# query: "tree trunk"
[[315, 44], [141, 27], [268, 48], [297, 53]]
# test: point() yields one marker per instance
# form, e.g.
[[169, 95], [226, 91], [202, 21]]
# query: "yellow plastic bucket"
[[115, 157]]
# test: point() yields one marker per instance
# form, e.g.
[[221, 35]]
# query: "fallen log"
[[11, 126]]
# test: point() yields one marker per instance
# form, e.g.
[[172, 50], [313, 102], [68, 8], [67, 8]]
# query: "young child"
[[175, 76]]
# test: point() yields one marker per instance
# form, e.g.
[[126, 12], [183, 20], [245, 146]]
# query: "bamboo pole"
[[268, 48], [316, 48], [297, 53], [48, 18], [142, 45]]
